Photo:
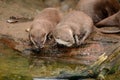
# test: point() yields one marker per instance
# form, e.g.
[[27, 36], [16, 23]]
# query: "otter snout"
[[40, 46], [37, 44], [37, 48]]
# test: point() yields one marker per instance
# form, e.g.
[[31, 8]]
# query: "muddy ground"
[[15, 37]]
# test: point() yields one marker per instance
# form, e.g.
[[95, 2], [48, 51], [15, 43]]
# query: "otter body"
[[74, 28], [98, 9], [112, 21], [42, 25]]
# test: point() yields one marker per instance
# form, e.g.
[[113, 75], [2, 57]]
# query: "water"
[[13, 66]]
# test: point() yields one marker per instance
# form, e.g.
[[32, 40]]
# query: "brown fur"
[[98, 9], [74, 28], [112, 21], [43, 24]]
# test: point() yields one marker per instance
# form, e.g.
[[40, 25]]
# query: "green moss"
[[15, 77], [115, 76], [12, 65]]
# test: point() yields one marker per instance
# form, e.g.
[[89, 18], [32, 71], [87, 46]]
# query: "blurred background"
[[28, 8]]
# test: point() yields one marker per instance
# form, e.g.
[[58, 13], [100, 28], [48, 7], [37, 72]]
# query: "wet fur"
[[112, 21], [73, 29], [98, 9], [42, 25]]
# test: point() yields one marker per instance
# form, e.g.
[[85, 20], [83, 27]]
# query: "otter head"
[[37, 37], [64, 36]]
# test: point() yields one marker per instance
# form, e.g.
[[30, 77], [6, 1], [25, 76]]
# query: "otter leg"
[[31, 39], [76, 39], [84, 37]]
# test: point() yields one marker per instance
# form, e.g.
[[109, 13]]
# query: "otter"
[[112, 21], [98, 9], [42, 25], [74, 28]]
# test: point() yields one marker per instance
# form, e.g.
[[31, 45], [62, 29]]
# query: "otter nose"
[[41, 46]]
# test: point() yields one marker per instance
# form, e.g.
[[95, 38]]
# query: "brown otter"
[[112, 21], [98, 9], [42, 25], [73, 28]]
